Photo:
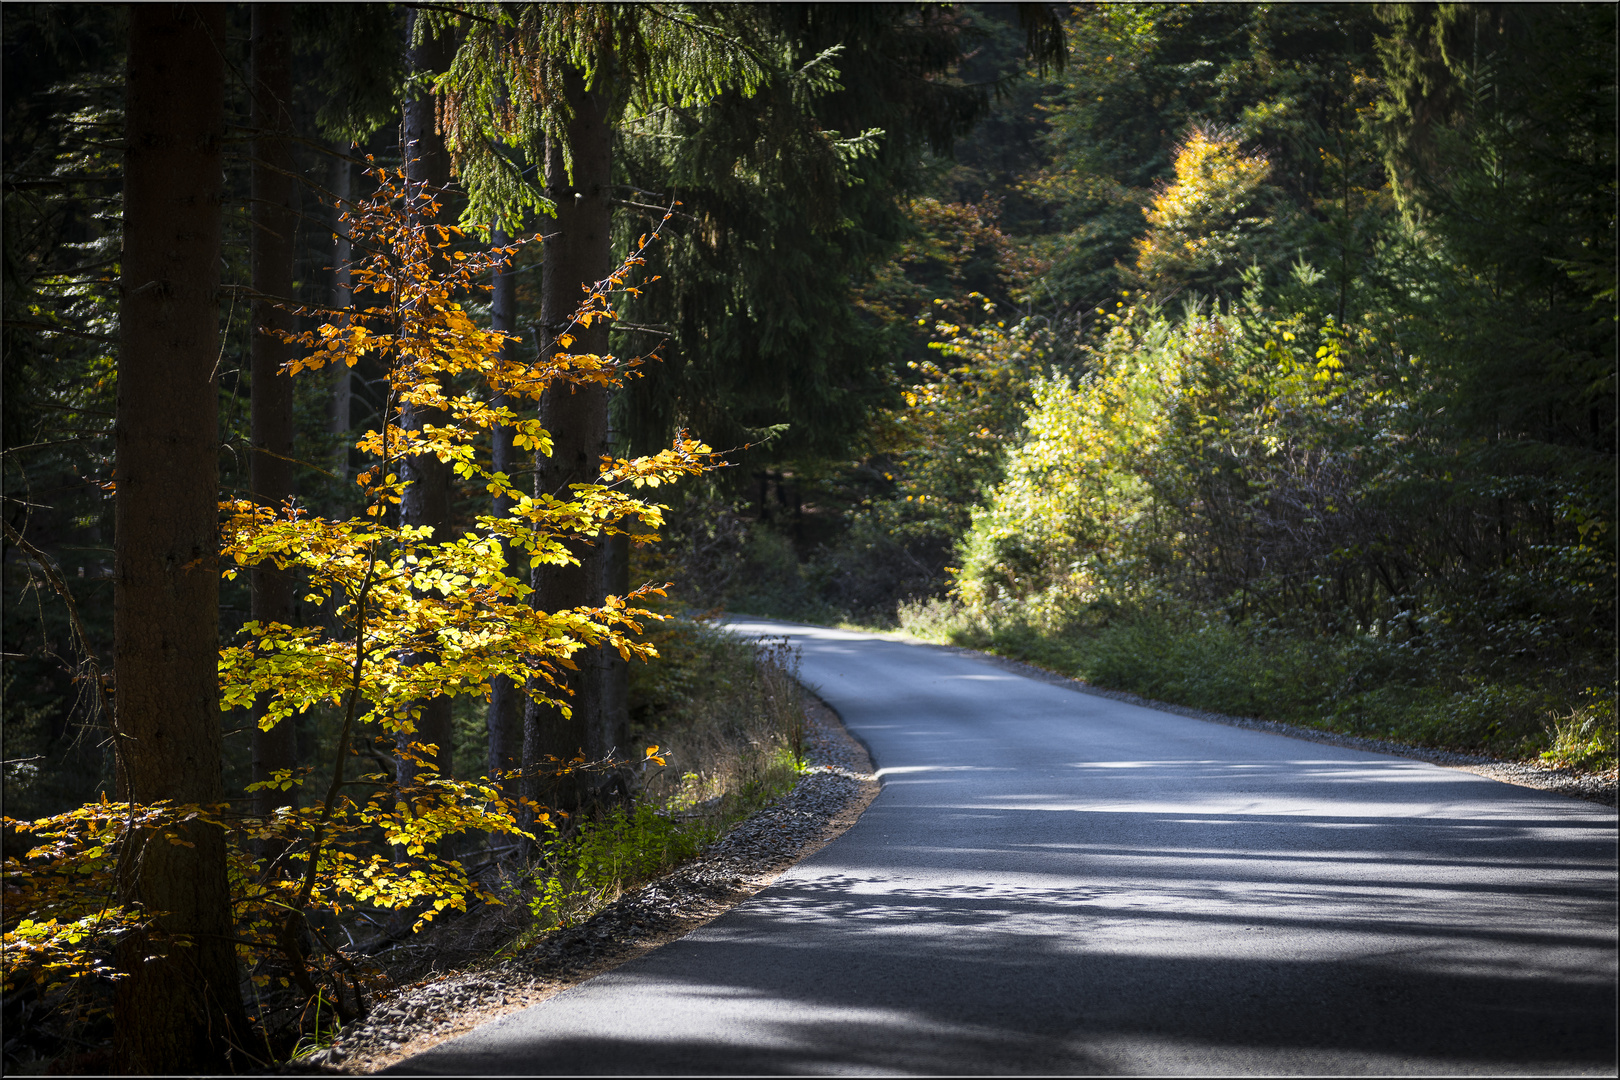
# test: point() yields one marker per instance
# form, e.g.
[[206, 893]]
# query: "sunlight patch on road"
[[899, 770]]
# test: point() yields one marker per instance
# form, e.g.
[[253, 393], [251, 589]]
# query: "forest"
[[394, 394]]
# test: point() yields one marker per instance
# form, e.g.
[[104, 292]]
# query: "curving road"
[[1056, 882]]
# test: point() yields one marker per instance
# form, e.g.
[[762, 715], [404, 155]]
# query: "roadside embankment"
[[829, 796]]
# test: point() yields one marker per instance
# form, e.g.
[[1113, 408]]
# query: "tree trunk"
[[614, 712], [271, 473], [579, 251], [342, 277], [505, 721], [427, 496], [179, 1010], [340, 417]]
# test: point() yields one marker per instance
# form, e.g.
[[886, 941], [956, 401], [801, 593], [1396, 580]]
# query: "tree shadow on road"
[[1336, 948]]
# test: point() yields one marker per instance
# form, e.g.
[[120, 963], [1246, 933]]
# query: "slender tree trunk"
[[579, 252], [427, 496], [613, 716], [179, 1009], [340, 419], [505, 721], [271, 475], [614, 713], [342, 277]]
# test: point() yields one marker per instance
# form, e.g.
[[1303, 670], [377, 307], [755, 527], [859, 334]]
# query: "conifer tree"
[[1499, 135], [179, 1009], [790, 196], [578, 249]]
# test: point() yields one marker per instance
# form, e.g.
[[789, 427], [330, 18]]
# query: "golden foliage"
[[391, 591], [1201, 224]]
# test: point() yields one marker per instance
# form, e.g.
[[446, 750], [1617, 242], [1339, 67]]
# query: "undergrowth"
[[726, 716]]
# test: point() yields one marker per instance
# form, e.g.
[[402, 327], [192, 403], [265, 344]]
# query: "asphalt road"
[[1056, 882]]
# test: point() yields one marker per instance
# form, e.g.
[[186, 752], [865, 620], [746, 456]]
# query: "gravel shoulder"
[[828, 799]]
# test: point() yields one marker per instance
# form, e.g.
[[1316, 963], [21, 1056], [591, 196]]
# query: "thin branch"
[[90, 661], [69, 408], [49, 329], [293, 460], [654, 209]]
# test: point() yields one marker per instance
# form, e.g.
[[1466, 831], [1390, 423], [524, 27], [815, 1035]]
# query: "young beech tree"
[[403, 593], [398, 593], [549, 83]]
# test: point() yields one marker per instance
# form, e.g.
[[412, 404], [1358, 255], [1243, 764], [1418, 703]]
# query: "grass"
[[1585, 738], [728, 721]]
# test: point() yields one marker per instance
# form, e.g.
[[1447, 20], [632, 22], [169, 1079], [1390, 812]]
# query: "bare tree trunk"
[[271, 471], [505, 722], [340, 418], [614, 714], [579, 252], [427, 496], [342, 278], [179, 1009]]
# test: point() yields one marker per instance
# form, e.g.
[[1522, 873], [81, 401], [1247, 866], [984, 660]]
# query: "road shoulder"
[[1590, 787], [828, 799]]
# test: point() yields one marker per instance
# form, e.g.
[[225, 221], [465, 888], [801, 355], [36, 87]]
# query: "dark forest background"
[[1260, 357], [1147, 240]]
